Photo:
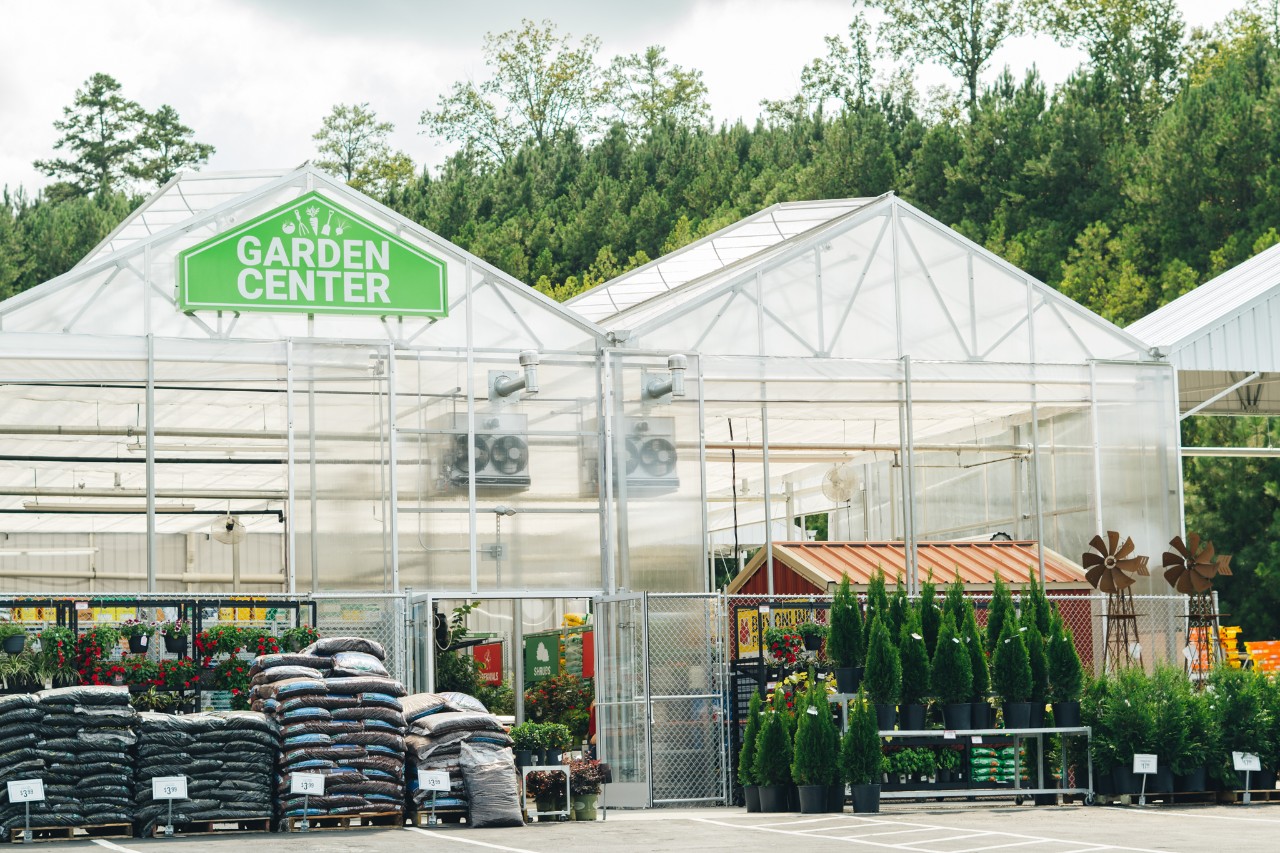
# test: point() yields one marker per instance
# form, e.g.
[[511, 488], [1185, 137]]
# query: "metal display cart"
[[563, 769]]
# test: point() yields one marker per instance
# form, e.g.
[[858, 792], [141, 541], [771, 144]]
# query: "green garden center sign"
[[311, 256]]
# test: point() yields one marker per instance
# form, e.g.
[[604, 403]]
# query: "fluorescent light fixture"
[[47, 552], [127, 508]]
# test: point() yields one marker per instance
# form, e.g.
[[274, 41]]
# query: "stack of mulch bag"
[[456, 733], [79, 741], [340, 717], [228, 757]]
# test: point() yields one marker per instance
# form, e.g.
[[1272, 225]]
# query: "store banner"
[[489, 658], [311, 256], [589, 654], [541, 658], [748, 634]]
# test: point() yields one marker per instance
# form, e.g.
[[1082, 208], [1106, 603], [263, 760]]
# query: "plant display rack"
[[558, 814], [73, 833], [364, 820], [216, 827], [992, 737]]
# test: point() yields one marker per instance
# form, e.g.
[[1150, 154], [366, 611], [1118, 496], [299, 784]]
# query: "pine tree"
[[846, 645], [1010, 668], [883, 678], [1066, 677], [861, 757], [930, 615], [877, 603], [1037, 662], [955, 600], [747, 757], [1037, 604], [978, 667], [898, 607], [915, 661], [813, 761], [773, 751], [999, 610], [952, 671]]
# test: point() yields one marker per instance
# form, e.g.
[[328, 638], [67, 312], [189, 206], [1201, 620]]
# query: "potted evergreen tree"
[[898, 607], [526, 739], [845, 645], [883, 679], [773, 762], [813, 759], [1066, 676], [952, 676], [930, 614], [861, 759], [914, 658], [999, 611], [1034, 642], [747, 755], [1011, 677], [980, 714], [877, 604], [1203, 741], [954, 601]]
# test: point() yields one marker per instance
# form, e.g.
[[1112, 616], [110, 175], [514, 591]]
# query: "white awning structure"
[[1224, 339]]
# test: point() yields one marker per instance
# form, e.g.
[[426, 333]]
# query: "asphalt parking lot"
[[941, 829]]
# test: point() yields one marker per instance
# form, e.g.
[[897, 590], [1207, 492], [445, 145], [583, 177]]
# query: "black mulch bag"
[[17, 714], [493, 787], [391, 741], [69, 746], [86, 695], [358, 663], [329, 646], [330, 753], [386, 765], [24, 741], [265, 662], [380, 700], [280, 673], [319, 727], [463, 702], [448, 722], [364, 684], [366, 788], [326, 702], [386, 715], [325, 802]]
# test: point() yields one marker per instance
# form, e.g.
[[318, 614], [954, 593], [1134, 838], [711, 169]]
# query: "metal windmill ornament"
[[1190, 569], [1112, 567]]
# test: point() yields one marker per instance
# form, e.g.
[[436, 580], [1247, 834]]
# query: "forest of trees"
[[1153, 167]]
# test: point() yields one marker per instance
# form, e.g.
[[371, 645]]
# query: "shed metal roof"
[[976, 562]]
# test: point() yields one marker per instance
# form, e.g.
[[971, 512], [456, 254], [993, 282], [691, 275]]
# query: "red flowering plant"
[[58, 653], [92, 646], [140, 671], [181, 674], [106, 672], [783, 646], [260, 643], [564, 699], [233, 675]]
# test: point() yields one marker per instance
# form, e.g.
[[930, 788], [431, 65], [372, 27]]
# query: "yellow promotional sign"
[[749, 621]]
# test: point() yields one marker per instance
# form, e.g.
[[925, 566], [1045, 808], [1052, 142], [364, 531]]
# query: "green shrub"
[[883, 677], [914, 657], [1094, 713], [899, 606], [773, 751], [1036, 604], [1171, 701], [846, 645], [1243, 714], [952, 671], [1132, 709], [1066, 675], [999, 612], [955, 602], [877, 603], [747, 756], [1011, 671], [948, 759], [930, 615], [526, 736], [813, 758], [1034, 642], [978, 668], [1203, 738], [861, 759]]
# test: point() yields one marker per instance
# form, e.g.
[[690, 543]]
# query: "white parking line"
[[1162, 813], [107, 844], [450, 836], [915, 846]]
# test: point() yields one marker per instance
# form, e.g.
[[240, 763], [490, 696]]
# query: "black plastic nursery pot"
[[175, 645], [1037, 715], [835, 797], [886, 716], [751, 794], [848, 679], [524, 758], [813, 644], [912, 717], [1067, 714], [1125, 780], [1017, 715], [14, 645], [1195, 781], [813, 799], [773, 798], [866, 798], [980, 715], [957, 715], [138, 645]]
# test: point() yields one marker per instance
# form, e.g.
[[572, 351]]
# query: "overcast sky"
[[255, 78]]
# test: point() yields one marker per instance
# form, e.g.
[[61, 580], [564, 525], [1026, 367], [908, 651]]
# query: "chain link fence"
[[380, 618]]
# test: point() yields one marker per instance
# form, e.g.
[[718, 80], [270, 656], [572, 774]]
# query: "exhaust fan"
[[500, 449]]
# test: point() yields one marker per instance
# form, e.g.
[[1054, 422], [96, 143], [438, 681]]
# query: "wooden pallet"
[[450, 814], [365, 820], [73, 833], [216, 827], [1264, 795]]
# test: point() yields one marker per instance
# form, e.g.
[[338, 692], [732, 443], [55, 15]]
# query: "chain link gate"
[[660, 698]]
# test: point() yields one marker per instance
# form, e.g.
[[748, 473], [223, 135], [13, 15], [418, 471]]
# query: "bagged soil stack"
[[228, 757], [347, 725], [84, 736], [493, 785], [439, 725]]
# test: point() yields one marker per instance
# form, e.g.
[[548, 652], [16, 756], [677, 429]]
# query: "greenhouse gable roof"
[[128, 285]]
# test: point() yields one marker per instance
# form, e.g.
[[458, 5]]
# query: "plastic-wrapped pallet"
[[228, 757], [340, 717], [79, 741], [440, 725]]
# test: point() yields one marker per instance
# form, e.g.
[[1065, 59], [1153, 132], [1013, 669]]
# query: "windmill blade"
[[1126, 549], [1107, 583], [1199, 583], [1090, 559], [1121, 580], [1169, 560], [1193, 543], [1095, 574], [1205, 556], [1224, 564], [1185, 584], [1134, 565], [1113, 539], [1098, 545], [1174, 574], [1181, 548], [1204, 570]]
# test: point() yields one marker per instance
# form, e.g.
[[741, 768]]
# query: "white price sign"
[[949, 734], [310, 784], [169, 788], [433, 780], [26, 791], [1242, 760], [1143, 763]]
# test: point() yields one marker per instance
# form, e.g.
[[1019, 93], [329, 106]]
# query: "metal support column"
[[517, 656], [391, 457], [291, 531], [909, 479], [151, 460], [764, 437], [1097, 447], [472, 532]]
